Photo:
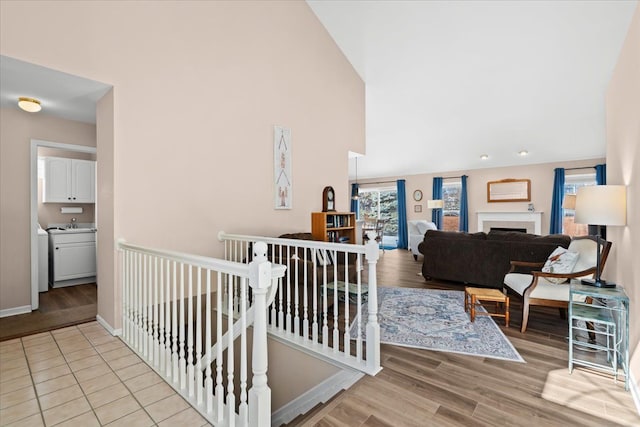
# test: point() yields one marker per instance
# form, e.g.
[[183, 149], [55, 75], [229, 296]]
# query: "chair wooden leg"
[[525, 314], [473, 308], [506, 313]]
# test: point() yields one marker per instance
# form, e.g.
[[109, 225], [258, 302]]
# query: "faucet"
[[73, 223]]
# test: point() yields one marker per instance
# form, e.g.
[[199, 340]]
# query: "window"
[[451, 196], [380, 203], [571, 185]]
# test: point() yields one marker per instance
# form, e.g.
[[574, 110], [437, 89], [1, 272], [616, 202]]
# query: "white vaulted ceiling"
[[448, 81]]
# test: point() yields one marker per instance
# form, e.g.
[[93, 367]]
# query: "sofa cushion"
[[515, 236], [298, 236], [455, 235], [544, 289], [518, 281]]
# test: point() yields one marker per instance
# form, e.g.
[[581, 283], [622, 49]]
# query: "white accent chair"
[[416, 230], [539, 288]]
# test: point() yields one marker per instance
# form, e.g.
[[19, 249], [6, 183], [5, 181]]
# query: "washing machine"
[[43, 260]]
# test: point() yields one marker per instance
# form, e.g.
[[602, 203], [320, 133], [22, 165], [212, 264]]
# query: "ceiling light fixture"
[[484, 157], [30, 105], [523, 153]]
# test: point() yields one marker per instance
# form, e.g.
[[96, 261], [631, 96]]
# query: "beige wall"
[[17, 128], [197, 91], [623, 158], [108, 294]]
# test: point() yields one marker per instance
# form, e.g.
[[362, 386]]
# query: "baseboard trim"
[[108, 327], [13, 311], [635, 392], [341, 380]]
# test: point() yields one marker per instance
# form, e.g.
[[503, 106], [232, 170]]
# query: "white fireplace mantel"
[[504, 218]]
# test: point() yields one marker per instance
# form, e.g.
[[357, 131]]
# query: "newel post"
[[260, 393], [373, 328]]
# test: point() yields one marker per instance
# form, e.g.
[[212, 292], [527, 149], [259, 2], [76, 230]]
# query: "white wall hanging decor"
[[282, 167]]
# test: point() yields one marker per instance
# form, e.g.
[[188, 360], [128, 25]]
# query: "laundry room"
[[66, 211]]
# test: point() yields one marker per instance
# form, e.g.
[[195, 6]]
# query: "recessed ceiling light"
[[30, 105], [523, 153], [484, 157]]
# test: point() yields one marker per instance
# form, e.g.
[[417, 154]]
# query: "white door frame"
[[33, 160]]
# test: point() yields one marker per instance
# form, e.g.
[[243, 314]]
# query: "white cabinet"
[[72, 257], [83, 181], [69, 180]]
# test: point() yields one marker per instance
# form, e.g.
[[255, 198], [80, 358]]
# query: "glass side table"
[[605, 312]]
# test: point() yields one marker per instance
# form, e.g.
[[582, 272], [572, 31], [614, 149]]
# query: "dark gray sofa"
[[482, 258]]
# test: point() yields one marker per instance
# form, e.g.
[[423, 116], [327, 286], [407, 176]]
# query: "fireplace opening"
[[519, 230]]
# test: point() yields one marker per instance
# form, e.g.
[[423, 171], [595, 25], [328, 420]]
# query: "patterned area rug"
[[436, 320]]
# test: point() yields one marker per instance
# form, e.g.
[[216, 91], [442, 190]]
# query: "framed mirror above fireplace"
[[509, 190]]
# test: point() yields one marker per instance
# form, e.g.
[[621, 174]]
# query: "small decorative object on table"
[[328, 200]]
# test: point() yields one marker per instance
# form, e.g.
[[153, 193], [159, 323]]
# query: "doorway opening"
[[381, 203], [62, 306]]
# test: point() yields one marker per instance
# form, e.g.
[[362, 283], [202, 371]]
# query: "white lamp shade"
[[435, 204], [569, 201], [601, 205]]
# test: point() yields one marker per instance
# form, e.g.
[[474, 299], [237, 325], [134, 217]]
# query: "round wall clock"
[[417, 195]]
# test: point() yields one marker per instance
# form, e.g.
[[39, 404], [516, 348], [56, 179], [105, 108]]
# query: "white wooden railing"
[[307, 311], [165, 297]]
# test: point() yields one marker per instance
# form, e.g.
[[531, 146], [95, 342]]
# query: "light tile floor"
[[83, 376]]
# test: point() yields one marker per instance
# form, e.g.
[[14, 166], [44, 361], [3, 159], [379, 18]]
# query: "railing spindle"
[[175, 326], [208, 381], [198, 368], [219, 385], [242, 409], [190, 373], [347, 294], [161, 347], [336, 306], [231, 398], [183, 325], [154, 313]]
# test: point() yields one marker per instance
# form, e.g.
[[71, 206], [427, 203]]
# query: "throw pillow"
[[561, 261]]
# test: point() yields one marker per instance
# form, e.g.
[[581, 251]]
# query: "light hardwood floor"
[[415, 387], [428, 388]]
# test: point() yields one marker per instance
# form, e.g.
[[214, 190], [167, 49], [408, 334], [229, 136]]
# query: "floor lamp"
[[601, 205]]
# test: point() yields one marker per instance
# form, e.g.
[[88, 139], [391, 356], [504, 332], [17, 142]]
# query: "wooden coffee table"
[[475, 296]]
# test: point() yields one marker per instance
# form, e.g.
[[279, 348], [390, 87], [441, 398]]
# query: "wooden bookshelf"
[[338, 227]]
